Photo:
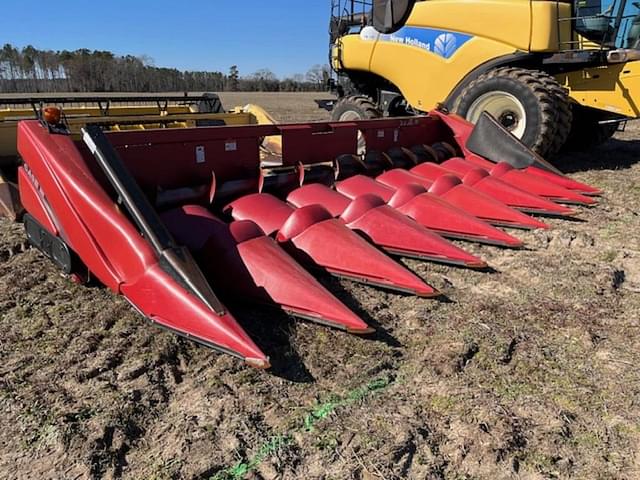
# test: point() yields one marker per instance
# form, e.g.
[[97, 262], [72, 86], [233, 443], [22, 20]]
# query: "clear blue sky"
[[285, 36]]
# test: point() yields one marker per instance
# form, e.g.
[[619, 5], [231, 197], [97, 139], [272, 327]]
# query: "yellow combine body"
[[612, 88], [481, 42], [516, 59]]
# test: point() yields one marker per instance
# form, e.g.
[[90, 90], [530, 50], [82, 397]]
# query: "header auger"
[[185, 221]]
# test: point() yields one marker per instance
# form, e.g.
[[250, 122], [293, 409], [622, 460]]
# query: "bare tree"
[[319, 74], [30, 69]]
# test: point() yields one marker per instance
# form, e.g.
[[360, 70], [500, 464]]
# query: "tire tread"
[[553, 101]]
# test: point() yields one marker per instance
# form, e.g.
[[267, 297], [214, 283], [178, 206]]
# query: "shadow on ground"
[[616, 154]]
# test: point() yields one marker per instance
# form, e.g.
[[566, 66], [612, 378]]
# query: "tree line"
[[29, 69]]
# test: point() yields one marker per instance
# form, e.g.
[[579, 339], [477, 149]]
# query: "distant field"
[[286, 107], [529, 371]]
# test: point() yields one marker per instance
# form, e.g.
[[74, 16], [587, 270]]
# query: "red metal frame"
[[188, 175]]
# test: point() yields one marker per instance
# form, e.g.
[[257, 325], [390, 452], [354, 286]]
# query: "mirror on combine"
[[390, 15]]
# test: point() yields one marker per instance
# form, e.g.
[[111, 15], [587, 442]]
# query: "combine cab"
[[184, 221]]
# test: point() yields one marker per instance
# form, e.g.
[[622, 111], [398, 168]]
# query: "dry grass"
[[286, 107]]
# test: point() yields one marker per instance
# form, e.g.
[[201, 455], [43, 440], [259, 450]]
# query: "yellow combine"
[[550, 71]]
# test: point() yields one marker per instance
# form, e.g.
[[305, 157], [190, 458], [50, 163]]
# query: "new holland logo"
[[445, 45]]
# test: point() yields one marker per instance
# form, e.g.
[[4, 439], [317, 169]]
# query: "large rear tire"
[[528, 103], [564, 112], [355, 107]]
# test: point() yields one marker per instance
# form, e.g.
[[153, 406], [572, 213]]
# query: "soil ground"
[[526, 372]]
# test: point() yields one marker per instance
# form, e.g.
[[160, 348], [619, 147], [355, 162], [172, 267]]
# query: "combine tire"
[[354, 107], [528, 103], [586, 131], [564, 111]]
